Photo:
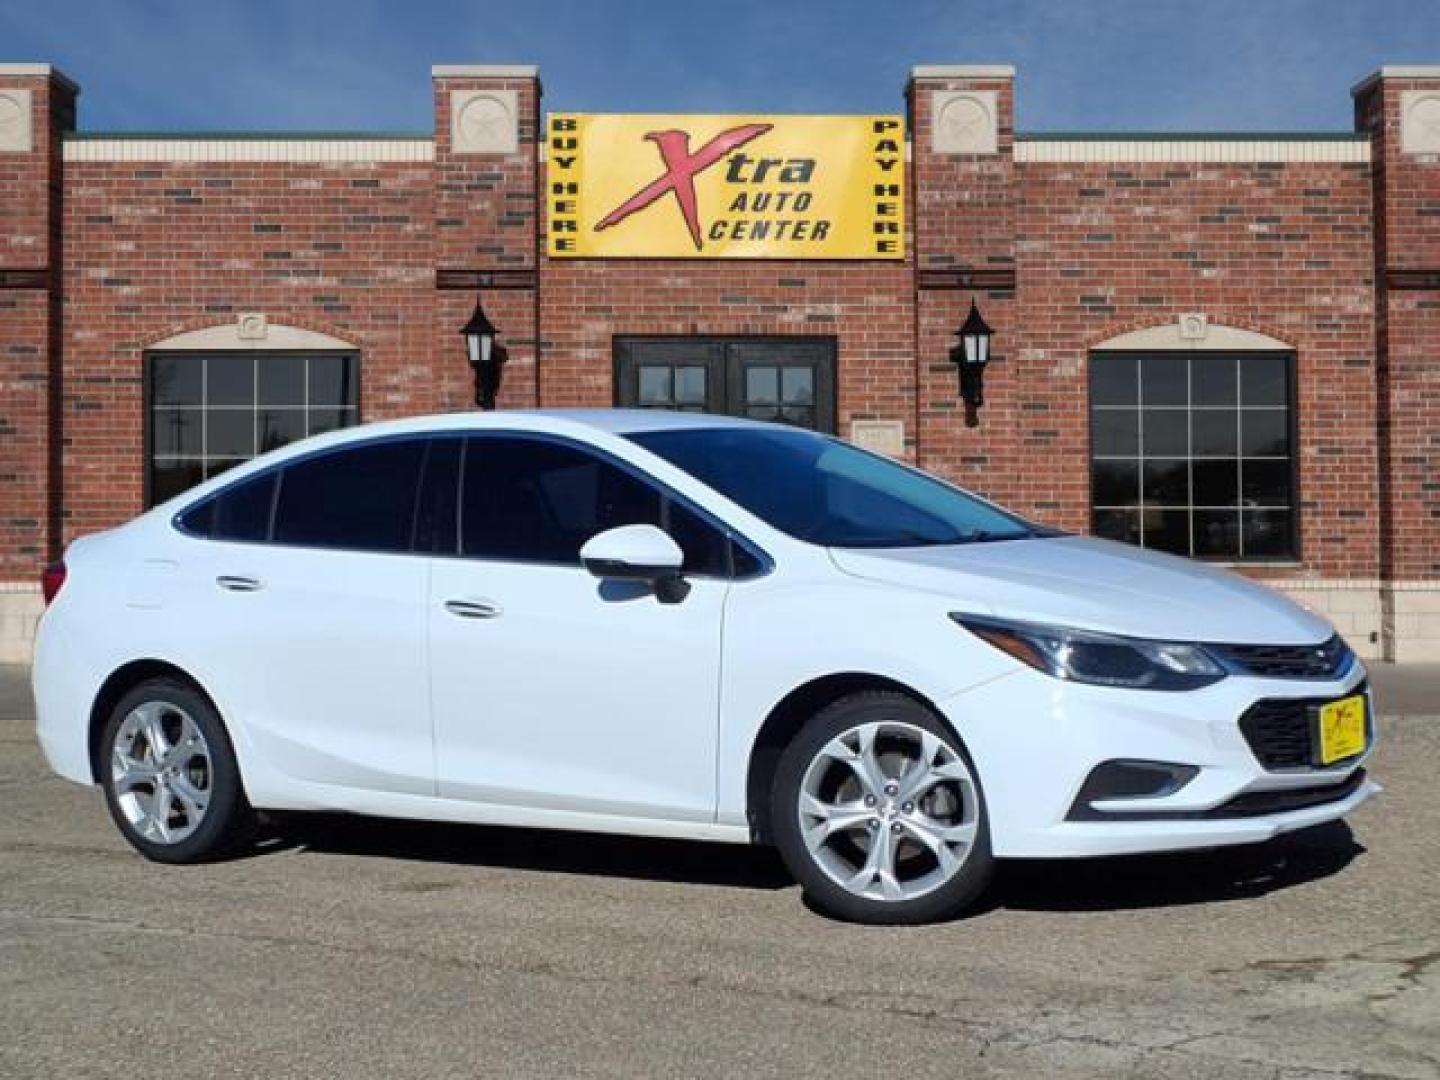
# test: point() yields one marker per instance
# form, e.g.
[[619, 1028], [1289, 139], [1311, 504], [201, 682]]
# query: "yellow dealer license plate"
[[1342, 729]]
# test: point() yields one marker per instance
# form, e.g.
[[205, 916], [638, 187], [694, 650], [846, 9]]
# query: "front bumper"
[[1035, 740]]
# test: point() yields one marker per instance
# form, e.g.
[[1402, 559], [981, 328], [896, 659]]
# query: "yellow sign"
[[726, 187]]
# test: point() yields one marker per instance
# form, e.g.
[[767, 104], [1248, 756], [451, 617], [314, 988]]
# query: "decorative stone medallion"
[[252, 326], [1420, 121], [879, 436], [16, 135], [1194, 326], [484, 122], [965, 122]]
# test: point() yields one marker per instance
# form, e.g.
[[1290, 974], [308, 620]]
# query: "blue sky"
[[364, 64]]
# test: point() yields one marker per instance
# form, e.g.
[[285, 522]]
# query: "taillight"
[[51, 579]]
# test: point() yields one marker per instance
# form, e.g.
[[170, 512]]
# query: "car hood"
[[1094, 584]]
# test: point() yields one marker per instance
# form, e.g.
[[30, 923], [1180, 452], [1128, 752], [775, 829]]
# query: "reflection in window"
[[1192, 454], [209, 413]]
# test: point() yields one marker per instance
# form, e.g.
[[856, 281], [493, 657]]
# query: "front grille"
[[1325, 661], [1281, 731]]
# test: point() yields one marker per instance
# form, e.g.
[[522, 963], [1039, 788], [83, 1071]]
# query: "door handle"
[[472, 609], [239, 583]]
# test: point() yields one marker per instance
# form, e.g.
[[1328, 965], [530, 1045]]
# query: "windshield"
[[827, 492]]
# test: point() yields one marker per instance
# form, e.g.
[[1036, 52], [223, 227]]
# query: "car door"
[[551, 688], [315, 619]]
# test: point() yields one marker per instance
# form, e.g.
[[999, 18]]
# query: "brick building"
[[1222, 345]]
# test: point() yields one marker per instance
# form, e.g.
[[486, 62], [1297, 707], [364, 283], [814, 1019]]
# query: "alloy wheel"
[[161, 772]]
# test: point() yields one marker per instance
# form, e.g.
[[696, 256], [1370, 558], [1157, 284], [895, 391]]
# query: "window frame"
[[147, 380], [1295, 555]]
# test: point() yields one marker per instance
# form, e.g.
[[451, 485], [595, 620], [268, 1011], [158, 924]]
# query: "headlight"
[[1100, 659]]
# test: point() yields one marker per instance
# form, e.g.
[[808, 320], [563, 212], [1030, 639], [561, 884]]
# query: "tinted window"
[[361, 498], [827, 492], [241, 512], [532, 500]]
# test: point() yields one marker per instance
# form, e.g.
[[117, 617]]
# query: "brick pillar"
[[963, 207], [486, 205], [1400, 108], [37, 105]]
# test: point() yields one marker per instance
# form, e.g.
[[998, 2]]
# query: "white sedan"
[[684, 626]]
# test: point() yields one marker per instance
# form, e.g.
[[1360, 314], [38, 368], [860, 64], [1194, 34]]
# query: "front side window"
[[1191, 453], [826, 492], [209, 412], [534, 500]]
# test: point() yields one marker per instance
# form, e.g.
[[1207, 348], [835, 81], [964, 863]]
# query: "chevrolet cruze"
[[684, 626]]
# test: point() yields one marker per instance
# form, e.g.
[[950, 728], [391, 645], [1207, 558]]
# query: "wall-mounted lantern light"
[[970, 356], [486, 356]]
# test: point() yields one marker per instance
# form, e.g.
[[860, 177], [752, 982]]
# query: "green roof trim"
[[250, 136], [1191, 136]]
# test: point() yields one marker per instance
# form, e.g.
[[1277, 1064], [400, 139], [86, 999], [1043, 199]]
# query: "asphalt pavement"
[[356, 948]]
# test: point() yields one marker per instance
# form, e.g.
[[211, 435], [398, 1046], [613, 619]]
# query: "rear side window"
[[240, 513], [532, 500], [360, 498]]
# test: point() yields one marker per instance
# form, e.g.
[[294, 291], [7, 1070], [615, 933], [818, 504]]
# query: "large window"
[[209, 412], [1192, 453]]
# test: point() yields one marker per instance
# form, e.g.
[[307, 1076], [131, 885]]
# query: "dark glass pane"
[[690, 386], [436, 506], [281, 380], [706, 548], [177, 431], [1217, 534], [1165, 433], [763, 412], [1122, 525], [215, 466], [1113, 380], [199, 518], [1265, 432], [1212, 381], [176, 381], [279, 427], [332, 381], [170, 478], [1264, 380], [1115, 432], [1116, 483], [1265, 483], [323, 420], [537, 501], [1167, 530], [1167, 482], [654, 387], [797, 415], [361, 498], [1267, 534], [762, 385], [1163, 380], [1214, 433], [242, 512], [1217, 483], [230, 433], [230, 382], [797, 386]]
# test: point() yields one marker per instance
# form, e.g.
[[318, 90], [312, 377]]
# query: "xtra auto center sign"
[[732, 187]]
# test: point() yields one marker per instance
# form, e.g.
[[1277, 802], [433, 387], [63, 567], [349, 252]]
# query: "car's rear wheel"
[[878, 812], [170, 777]]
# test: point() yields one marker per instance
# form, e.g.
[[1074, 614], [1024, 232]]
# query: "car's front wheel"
[[170, 776], [878, 812]]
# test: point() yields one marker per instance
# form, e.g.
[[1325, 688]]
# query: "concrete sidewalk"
[[1406, 689]]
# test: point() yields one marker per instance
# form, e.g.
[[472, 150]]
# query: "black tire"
[[823, 892], [227, 822]]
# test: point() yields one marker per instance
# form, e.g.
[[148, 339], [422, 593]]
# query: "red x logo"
[[681, 168]]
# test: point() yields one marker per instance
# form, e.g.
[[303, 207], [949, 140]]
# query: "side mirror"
[[637, 553]]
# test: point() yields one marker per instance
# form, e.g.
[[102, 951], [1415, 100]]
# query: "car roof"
[[560, 421]]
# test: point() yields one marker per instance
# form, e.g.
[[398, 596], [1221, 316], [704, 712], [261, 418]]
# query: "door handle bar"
[[239, 583], [472, 609]]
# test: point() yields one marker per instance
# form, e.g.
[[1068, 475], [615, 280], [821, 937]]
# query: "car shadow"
[[541, 850], [1126, 882], [1114, 883]]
